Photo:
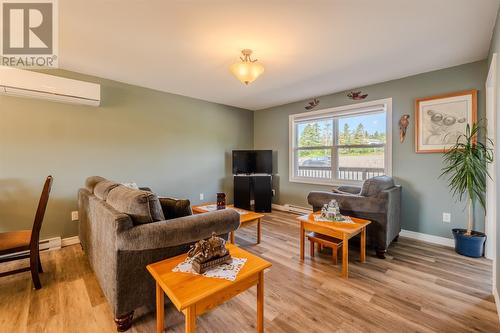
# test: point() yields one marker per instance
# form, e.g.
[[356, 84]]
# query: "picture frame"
[[439, 120]]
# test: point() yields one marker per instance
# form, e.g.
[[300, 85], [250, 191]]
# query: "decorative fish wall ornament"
[[356, 95], [312, 104]]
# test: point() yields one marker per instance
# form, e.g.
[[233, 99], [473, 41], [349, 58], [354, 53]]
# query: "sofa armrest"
[[317, 199], [392, 198], [179, 231], [349, 202], [349, 189]]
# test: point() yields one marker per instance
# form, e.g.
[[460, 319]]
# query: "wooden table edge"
[[359, 225], [255, 215]]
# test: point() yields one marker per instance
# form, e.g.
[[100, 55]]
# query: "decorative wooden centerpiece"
[[209, 253]]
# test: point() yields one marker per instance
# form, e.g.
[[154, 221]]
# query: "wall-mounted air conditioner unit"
[[22, 83]]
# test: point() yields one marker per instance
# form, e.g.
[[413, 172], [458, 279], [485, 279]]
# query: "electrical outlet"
[[274, 192], [74, 215], [446, 218], [202, 196]]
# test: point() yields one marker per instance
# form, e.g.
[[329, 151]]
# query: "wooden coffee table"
[[342, 231], [196, 294], [246, 218]]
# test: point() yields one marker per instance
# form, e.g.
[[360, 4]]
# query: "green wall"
[[495, 48], [425, 197], [179, 146]]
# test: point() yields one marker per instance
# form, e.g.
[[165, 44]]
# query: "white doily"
[[347, 219], [224, 271]]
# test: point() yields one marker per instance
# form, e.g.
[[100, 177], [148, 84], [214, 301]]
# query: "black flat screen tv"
[[252, 161]]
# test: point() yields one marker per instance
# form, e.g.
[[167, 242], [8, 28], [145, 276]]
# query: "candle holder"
[[221, 200]]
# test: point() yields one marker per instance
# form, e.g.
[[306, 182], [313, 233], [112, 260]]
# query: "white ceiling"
[[309, 48]]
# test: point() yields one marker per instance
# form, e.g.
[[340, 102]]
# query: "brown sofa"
[[378, 200], [122, 230]]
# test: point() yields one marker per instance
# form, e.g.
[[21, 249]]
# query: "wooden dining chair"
[[26, 240]]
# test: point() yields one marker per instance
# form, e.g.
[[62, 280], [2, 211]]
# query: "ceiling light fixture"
[[247, 70]]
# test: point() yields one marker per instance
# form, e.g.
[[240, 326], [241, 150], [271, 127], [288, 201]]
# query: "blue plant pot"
[[469, 245]]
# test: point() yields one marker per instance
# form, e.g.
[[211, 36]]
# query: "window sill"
[[325, 182]]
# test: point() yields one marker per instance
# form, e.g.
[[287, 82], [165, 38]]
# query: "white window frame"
[[359, 108]]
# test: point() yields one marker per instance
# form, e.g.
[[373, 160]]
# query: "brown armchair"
[[378, 200]]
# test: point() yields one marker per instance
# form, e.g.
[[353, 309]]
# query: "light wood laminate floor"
[[418, 288]]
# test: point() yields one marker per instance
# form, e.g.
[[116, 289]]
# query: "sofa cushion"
[[102, 189], [141, 206], [92, 181], [174, 208], [373, 186]]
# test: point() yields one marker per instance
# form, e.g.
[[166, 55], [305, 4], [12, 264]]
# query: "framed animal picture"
[[440, 120]]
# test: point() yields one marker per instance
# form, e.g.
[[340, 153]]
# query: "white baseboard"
[[292, 208], [279, 207], [428, 238], [70, 241], [56, 243], [50, 244]]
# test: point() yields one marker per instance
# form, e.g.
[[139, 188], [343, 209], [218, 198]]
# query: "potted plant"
[[465, 166]]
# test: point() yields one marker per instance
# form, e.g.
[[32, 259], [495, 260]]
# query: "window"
[[343, 145]]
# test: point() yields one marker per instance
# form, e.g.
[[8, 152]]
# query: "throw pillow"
[[174, 208], [142, 206]]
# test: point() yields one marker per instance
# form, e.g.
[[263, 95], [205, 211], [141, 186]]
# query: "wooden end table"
[[341, 231], [196, 294], [246, 218]]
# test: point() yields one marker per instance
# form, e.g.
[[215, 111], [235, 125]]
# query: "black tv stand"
[[254, 186]]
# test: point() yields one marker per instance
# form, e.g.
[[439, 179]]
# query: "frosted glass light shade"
[[246, 71]]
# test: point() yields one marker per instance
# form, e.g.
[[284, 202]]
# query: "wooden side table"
[[196, 294], [341, 231], [245, 219]]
